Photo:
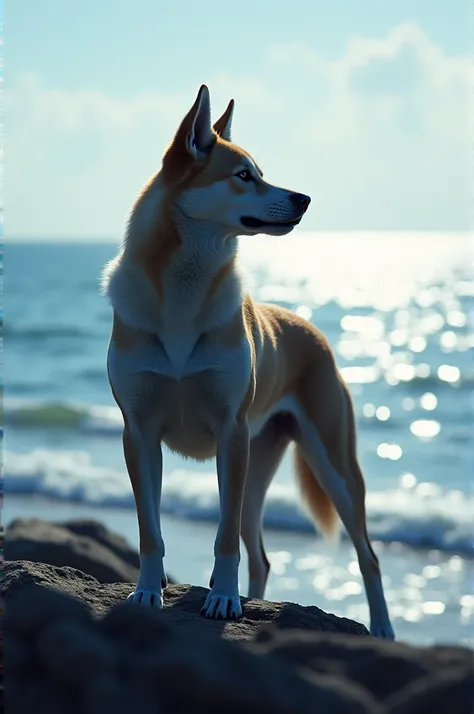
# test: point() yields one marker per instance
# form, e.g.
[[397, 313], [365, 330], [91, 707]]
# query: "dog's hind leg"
[[266, 452], [330, 459]]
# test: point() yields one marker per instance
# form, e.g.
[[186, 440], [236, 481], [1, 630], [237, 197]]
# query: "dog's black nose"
[[300, 200]]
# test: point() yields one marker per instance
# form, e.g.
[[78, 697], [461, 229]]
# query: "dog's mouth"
[[251, 222]]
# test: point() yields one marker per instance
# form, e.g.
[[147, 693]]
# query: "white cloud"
[[380, 137], [387, 129], [71, 111]]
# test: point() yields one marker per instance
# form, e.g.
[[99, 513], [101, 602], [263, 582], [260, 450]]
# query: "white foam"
[[421, 516]]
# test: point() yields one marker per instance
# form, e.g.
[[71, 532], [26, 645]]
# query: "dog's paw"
[[147, 598], [222, 607], [383, 632]]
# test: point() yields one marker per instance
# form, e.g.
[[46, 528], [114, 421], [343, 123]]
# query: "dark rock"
[[439, 679], [86, 651], [135, 659], [182, 604], [83, 544], [99, 533]]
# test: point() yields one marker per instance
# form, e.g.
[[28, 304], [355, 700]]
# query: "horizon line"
[[58, 238]]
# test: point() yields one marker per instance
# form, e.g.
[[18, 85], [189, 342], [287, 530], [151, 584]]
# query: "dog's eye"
[[245, 175]]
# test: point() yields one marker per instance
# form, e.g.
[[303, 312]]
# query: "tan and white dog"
[[195, 364]]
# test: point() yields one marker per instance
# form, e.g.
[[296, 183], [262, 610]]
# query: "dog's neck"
[[200, 240], [205, 242], [180, 269]]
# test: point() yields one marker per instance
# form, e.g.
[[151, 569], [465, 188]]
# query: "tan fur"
[[238, 456], [320, 505], [147, 542], [154, 255], [266, 451], [223, 160]]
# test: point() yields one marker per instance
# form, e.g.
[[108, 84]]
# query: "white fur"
[[186, 281], [131, 295], [231, 367]]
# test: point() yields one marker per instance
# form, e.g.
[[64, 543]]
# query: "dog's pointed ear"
[[199, 137], [223, 126], [193, 140]]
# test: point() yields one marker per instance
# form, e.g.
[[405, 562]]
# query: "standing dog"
[[194, 363]]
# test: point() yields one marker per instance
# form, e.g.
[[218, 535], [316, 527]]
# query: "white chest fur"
[[197, 296], [179, 358], [190, 405], [187, 281], [189, 304]]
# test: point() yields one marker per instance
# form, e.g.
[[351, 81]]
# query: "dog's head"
[[211, 179]]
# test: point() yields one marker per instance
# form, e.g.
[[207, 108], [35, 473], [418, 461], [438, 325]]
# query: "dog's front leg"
[[223, 600], [144, 459]]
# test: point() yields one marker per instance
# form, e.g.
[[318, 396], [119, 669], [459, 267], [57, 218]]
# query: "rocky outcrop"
[[182, 604], [83, 544], [72, 644]]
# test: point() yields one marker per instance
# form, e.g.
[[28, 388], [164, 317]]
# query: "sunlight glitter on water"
[[408, 481], [425, 428], [357, 268], [428, 401], [405, 280], [389, 451], [449, 373], [382, 413]]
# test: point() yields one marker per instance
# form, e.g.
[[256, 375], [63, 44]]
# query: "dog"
[[195, 364]]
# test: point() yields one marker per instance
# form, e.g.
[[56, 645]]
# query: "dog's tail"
[[315, 498], [340, 445]]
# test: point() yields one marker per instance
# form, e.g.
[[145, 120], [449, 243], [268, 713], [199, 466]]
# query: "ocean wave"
[[88, 418], [105, 420], [422, 517]]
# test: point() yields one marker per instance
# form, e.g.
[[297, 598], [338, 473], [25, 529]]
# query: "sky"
[[362, 104]]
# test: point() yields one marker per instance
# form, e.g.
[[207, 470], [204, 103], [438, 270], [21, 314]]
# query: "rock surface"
[[77, 650], [182, 604], [83, 544]]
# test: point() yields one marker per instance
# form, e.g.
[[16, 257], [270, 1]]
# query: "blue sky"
[[362, 104]]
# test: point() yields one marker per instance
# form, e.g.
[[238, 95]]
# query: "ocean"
[[398, 309]]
